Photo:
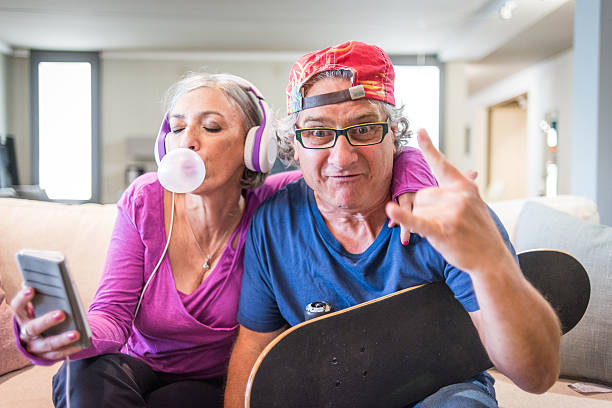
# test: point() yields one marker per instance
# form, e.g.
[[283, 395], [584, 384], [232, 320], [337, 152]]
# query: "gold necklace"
[[212, 255], [208, 259]]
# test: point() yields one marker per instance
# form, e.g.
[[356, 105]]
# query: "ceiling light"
[[505, 11]]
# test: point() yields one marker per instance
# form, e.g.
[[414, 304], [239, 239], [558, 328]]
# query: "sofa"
[[82, 233]]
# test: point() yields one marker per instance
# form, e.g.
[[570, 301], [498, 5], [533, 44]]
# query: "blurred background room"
[[514, 89]]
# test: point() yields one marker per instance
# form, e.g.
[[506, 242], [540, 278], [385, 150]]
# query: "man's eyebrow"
[[317, 119], [355, 120], [365, 117]]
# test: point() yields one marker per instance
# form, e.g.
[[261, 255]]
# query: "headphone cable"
[[154, 269]]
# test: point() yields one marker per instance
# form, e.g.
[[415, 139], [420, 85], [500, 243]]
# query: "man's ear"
[[393, 132], [296, 156]]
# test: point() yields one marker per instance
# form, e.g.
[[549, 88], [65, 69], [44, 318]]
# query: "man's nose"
[[342, 153]]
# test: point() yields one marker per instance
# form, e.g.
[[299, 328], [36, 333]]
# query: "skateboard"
[[386, 353]]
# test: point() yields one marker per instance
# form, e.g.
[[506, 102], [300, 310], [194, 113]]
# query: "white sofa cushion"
[[579, 207], [586, 351]]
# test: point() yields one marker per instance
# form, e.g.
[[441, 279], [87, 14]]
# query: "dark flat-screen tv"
[[8, 163]]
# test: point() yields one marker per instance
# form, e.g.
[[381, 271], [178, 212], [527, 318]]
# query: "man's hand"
[[406, 202], [452, 217]]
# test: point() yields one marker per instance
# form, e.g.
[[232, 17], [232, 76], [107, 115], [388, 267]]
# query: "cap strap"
[[352, 93]]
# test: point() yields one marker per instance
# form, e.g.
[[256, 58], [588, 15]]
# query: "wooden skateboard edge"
[[277, 339]]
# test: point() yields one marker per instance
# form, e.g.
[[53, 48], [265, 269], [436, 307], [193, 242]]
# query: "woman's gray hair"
[[236, 93], [286, 127]]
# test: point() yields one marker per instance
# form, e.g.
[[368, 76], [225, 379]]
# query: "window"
[[65, 142], [417, 87]]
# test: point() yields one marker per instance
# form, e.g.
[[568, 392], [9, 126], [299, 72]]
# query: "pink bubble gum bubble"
[[181, 171]]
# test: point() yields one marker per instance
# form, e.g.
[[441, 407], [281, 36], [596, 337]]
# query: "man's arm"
[[247, 348], [518, 328]]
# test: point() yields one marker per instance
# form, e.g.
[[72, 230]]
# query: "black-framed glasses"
[[365, 134]]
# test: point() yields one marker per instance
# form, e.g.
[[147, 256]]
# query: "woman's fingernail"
[[57, 315], [72, 335], [404, 243], [28, 291]]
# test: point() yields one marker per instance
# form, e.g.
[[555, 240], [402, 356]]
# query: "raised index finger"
[[445, 172]]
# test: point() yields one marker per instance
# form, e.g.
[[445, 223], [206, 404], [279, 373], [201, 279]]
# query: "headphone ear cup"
[[160, 142], [260, 155], [249, 147], [156, 151], [267, 150]]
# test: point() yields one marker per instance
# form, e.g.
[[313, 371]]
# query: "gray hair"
[[236, 93], [286, 127]]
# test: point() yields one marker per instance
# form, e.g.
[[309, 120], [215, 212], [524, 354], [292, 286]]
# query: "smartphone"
[[47, 272]]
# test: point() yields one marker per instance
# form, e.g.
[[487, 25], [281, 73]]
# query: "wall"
[[548, 86], [19, 113], [454, 112], [4, 67], [593, 104]]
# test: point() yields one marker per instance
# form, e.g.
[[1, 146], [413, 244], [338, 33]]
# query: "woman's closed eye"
[[209, 129], [212, 129]]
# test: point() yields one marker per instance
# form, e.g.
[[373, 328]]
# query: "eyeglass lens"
[[358, 135]]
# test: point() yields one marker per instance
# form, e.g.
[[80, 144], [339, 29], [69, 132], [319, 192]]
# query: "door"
[[507, 158]]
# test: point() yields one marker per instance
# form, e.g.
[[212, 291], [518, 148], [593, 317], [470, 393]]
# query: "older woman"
[[174, 351]]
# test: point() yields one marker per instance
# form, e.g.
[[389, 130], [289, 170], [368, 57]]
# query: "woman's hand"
[[54, 347], [405, 201]]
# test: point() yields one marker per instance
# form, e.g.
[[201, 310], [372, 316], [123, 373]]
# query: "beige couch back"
[[81, 232]]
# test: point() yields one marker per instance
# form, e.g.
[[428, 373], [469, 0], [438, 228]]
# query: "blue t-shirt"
[[292, 259]]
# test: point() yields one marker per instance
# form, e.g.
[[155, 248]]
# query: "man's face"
[[355, 178]]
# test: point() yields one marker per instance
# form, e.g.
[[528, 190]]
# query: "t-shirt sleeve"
[[461, 283], [411, 172], [257, 310]]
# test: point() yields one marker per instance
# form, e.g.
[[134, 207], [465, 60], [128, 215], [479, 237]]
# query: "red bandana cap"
[[372, 70]]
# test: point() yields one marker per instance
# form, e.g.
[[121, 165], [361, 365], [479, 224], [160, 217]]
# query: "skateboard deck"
[[387, 353]]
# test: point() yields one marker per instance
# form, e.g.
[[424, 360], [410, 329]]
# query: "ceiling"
[[465, 30]]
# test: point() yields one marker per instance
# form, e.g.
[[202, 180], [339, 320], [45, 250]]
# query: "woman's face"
[[205, 121]]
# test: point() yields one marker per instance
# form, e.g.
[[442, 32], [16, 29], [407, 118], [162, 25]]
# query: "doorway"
[[507, 155]]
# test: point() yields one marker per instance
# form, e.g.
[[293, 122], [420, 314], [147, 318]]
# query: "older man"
[[327, 236]]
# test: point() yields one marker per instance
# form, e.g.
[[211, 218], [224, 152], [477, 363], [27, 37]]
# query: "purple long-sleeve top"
[[188, 335]]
